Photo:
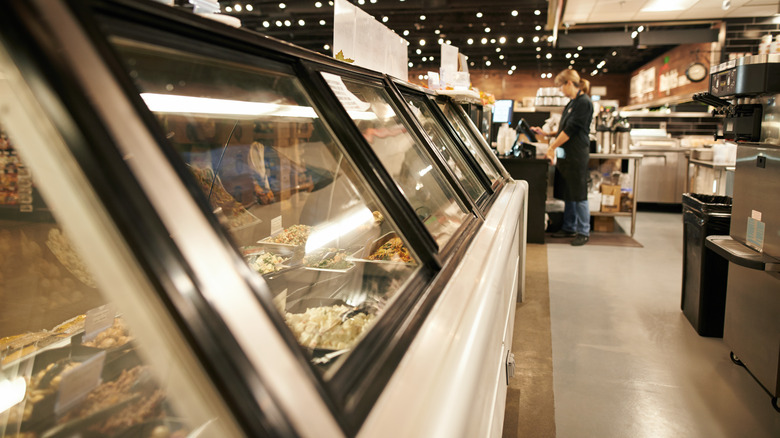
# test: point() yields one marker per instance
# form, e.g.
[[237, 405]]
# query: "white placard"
[[77, 382], [97, 320], [349, 100], [344, 28], [755, 215], [276, 225], [449, 58]]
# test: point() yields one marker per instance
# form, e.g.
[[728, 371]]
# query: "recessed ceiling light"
[[449, 42], [538, 27], [538, 56], [287, 23], [514, 67], [437, 31], [484, 40], [266, 24], [385, 19], [548, 56], [520, 39], [419, 52], [502, 40], [510, 72], [571, 62], [279, 23], [579, 47], [422, 42], [250, 8], [411, 65], [228, 9], [538, 49], [322, 22], [425, 59], [317, 4], [487, 30], [536, 39], [614, 53], [492, 41], [537, 12], [667, 5], [514, 13], [326, 47], [498, 49], [479, 14], [550, 39], [237, 7], [576, 55], [406, 33], [422, 17], [500, 56], [441, 41], [430, 58], [470, 41], [487, 63], [282, 5], [301, 23], [568, 55]]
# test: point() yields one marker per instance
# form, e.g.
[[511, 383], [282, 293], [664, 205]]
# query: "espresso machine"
[[747, 92]]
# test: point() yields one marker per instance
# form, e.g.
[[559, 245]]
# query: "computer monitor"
[[502, 111]]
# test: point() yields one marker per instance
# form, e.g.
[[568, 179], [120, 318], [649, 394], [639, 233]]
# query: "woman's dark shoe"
[[580, 240], [563, 233]]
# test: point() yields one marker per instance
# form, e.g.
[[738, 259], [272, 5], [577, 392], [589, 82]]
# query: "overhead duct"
[[595, 39], [677, 37]]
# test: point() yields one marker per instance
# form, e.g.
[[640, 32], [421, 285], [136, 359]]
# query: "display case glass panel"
[[413, 169], [471, 142], [280, 183], [69, 363], [446, 146]]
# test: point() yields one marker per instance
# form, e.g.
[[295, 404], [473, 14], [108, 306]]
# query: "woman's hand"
[[550, 155], [538, 131]]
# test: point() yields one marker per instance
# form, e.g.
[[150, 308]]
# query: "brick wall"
[[525, 83]]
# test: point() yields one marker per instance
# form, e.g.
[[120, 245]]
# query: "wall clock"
[[696, 72]]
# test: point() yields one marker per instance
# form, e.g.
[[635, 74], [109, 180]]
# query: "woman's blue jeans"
[[576, 217]]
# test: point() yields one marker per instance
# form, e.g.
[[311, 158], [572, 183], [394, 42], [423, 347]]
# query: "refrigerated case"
[[246, 238]]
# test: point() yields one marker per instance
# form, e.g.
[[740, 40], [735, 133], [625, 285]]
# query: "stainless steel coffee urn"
[[603, 139], [622, 137]]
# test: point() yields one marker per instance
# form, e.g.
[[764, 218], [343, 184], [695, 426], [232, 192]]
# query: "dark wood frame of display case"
[[486, 199], [361, 379]]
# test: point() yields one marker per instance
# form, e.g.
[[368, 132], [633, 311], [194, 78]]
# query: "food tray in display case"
[[387, 249], [291, 237]]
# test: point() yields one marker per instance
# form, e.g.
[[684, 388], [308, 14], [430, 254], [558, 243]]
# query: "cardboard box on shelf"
[[603, 224], [610, 198]]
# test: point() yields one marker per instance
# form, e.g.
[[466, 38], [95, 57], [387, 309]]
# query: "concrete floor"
[[626, 362]]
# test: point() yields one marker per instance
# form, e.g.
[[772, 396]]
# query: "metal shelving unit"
[[637, 158]]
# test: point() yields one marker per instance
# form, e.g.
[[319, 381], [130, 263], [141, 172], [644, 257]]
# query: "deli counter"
[[208, 232]]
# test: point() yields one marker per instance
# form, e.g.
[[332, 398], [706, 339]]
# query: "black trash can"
[[705, 273]]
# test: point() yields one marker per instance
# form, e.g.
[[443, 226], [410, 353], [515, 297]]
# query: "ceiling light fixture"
[[237, 7], [514, 13], [500, 56], [576, 55], [579, 47], [538, 49], [479, 14], [406, 33], [326, 47], [514, 67], [568, 55], [614, 53], [538, 56], [282, 5], [419, 52], [385, 19], [441, 41], [640, 29], [279, 23], [422, 42], [317, 4], [510, 72], [634, 34], [437, 31], [668, 5], [538, 27], [425, 59], [487, 63], [502, 40], [287, 23], [498, 49], [487, 30], [301, 23], [520, 39], [470, 41], [266, 24], [548, 56], [422, 17], [322, 22], [228, 9], [411, 65], [492, 41], [484, 41], [536, 39], [250, 8], [537, 12]]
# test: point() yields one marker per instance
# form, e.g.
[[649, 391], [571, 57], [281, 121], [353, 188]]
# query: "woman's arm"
[[562, 138]]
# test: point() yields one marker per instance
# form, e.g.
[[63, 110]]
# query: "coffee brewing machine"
[[747, 92]]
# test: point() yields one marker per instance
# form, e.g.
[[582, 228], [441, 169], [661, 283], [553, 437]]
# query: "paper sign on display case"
[[359, 37]]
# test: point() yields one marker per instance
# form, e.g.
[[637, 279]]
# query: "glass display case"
[[469, 135], [232, 236]]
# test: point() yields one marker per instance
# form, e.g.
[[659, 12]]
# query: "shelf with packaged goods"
[[637, 160]]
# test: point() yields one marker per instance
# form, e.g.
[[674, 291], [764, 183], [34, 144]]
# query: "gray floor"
[[626, 362]]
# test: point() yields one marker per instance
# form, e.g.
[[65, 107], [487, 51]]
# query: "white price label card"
[[77, 382], [97, 320], [276, 225], [755, 215], [349, 100]]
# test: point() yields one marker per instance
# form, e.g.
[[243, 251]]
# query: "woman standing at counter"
[[571, 176]]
